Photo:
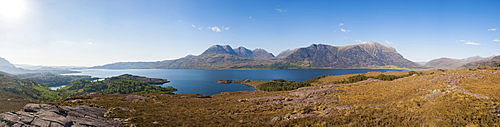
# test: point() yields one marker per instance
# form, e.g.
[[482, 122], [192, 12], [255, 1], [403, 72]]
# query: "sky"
[[98, 32]]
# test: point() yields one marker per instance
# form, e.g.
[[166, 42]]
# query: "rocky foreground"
[[35, 115]]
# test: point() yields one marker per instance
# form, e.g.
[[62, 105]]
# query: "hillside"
[[15, 93], [448, 63], [493, 62], [445, 63], [429, 98], [370, 54]]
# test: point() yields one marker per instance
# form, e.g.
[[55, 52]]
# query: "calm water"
[[190, 81]]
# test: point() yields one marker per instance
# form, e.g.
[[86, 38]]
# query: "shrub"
[[281, 85]]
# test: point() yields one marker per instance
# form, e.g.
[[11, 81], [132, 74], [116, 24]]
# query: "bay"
[[194, 81]]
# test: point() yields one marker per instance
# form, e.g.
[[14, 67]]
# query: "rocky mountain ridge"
[[370, 54]]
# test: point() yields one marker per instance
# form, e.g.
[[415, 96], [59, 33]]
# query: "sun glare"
[[12, 9]]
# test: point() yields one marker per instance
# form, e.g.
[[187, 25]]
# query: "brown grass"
[[378, 103]]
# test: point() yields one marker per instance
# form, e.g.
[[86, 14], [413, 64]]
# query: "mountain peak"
[[361, 55], [5, 63], [371, 43], [219, 49]]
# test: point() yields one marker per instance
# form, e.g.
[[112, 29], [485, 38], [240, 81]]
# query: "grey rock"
[[57, 116], [137, 98], [433, 95]]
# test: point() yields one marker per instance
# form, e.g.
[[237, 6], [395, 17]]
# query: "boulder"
[[57, 116]]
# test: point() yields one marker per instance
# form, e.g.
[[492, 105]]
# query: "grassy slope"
[[399, 102], [15, 93]]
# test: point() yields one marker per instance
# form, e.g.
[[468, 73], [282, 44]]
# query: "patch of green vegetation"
[[15, 92], [123, 84], [281, 85], [361, 77], [315, 79], [52, 79]]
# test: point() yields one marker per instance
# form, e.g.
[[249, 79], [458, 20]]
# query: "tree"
[[498, 65]]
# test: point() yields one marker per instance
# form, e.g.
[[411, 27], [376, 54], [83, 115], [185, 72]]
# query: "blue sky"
[[97, 32]]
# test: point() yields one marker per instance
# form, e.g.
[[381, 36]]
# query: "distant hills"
[[493, 62], [6, 66], [370, 54], [448, 63]]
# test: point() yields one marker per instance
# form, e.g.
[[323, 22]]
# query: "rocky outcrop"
[[57, 116], [227, 81], [137, 98]]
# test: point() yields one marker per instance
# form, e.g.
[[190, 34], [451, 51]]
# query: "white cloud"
[[472, 43], [341, 24], [345, 31], [492, 29], [360, 41], [496, 40], [216, 29], [250, 17], [467, 42], [225, 28], [280, 10], [388, 42], [90, 43]]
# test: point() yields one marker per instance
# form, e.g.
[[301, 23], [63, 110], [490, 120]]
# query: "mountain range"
[[449, 63], [493, 62], [8, 67], [369, 54]]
